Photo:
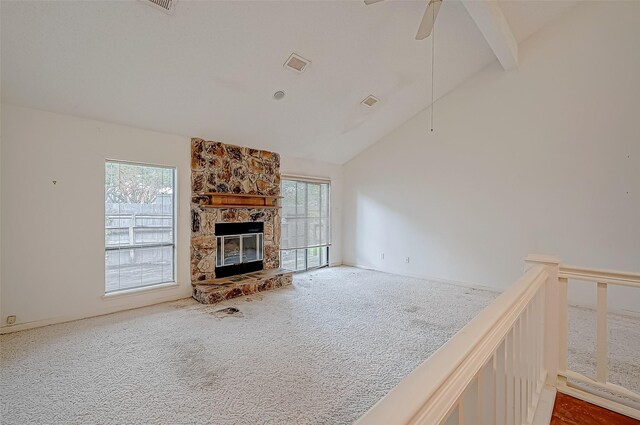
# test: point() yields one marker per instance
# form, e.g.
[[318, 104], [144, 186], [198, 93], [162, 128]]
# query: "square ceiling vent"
[[296, 63], [370, 100], [167, 6]]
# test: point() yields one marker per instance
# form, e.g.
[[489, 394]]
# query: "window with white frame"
[[139, 225], [306, 226]]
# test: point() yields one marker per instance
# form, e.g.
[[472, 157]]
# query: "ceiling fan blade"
[[368, 2], [430, 15]]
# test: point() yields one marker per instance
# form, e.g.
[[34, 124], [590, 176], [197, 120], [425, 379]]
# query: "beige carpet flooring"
[[320, 352]]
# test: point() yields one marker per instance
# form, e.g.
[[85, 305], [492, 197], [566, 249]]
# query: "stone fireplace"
[[235, 221]]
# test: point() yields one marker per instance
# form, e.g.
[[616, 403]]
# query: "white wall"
[[543, 159], [311, 168], [40, 285], [52, 235]]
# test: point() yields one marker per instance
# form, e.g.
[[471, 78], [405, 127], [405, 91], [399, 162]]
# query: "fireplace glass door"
[[238, 249], [231, 250], [251, 247]]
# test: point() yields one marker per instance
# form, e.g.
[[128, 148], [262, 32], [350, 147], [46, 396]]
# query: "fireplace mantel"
[[230, 185], [240, 200]]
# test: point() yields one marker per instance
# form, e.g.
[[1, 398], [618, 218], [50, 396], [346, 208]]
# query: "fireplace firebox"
[[239, 248]]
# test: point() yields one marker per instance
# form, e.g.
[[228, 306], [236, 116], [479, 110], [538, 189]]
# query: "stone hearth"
[[220, 168], [240, 285]]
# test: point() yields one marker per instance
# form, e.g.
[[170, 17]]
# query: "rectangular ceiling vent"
[[167, 6], [370, 101], [296, 63]]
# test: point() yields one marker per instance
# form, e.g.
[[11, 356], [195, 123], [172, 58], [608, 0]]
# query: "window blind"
[[305, 214]]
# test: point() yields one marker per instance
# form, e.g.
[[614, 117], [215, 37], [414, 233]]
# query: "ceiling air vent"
[[370, 101], [296, 63], [167, 6]]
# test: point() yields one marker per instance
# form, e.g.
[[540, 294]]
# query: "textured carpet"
[[320, 352]]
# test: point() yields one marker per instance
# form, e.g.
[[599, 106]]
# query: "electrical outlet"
[[11, 320], [382, 256], [406, 260]]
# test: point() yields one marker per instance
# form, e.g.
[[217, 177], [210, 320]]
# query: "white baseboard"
[[544, 409], [109, 310], [479, 286], [621, 312], [431, 278], [603, 402]]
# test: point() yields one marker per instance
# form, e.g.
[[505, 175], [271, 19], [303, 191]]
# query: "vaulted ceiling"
[[210, 69]]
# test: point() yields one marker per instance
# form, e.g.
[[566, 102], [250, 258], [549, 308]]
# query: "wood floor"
[[571, 411]]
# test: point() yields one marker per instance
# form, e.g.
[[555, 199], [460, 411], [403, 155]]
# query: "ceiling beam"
[[494, 26]]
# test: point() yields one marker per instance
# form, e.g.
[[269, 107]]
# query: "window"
[[306, 230], [139, 222]]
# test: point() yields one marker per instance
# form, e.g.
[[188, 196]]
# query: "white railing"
[[495, 369], [610, 396], [491, 372]]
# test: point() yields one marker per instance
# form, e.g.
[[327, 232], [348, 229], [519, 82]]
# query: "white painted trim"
[[601, 276], [621, 312], [472, 285], [431, 392], [563, 323], [608, 386], [599, 401], [136, 291], [545, 406], [430, 278], [628, 405], [107, 310], [602, 344], [530, 312], [303, 178], [542, 258]]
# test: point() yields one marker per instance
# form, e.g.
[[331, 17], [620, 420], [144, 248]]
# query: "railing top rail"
[[429, 392], [603, 276]]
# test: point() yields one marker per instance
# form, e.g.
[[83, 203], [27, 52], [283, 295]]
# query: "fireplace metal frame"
[[239, 230], [240, 236]]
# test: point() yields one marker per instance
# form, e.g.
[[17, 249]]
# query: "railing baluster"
[[519, 352], [535, 376], [534, 360], [509, 378], [454, 417], [540, 344], [520, 387], [602, 351], [490, 388], [514, 374], [469, 408], [524, 357], [483, 394], [563, 326], [617, 398], [529, 337], [496, 391], [501, 379]]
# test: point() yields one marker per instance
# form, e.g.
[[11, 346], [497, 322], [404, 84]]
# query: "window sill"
[[136, 291]]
